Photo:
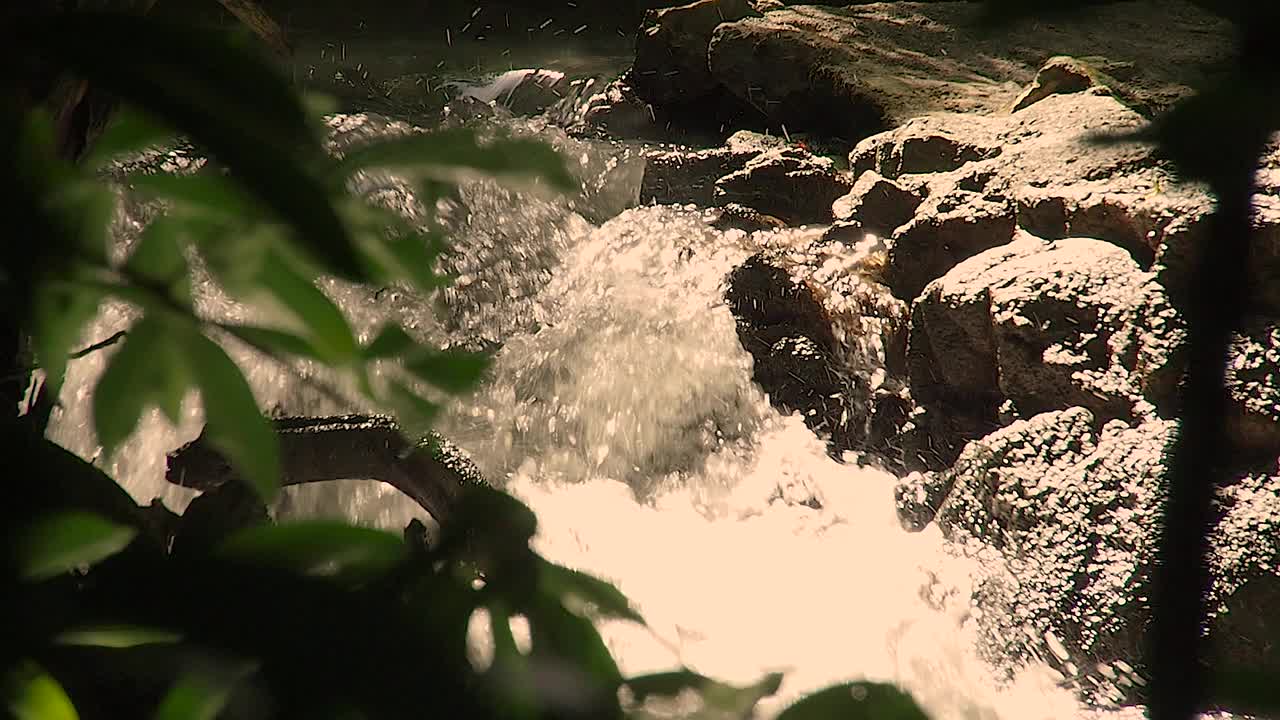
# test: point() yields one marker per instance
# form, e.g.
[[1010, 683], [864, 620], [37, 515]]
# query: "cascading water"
[[621, 409]]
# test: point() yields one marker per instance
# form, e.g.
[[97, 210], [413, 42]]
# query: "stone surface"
[[681, 175], [788, 183], [1038, 325], [855, 70], [1061, 74], [822, 335], [1039, 169], [876, 204], [1071, 510]]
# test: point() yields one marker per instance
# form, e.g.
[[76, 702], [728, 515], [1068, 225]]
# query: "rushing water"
[[621, 409]]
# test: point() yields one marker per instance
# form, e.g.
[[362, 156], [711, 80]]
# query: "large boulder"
[[1040, 169], [1070, 510], [855, 70], [1039, 325]]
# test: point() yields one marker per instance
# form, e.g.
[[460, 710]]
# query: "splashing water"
[[621, 409]]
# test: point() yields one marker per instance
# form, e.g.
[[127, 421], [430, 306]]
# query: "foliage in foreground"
[[110, 617]]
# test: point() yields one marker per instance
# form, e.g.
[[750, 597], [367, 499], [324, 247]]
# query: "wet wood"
[[346, 447]]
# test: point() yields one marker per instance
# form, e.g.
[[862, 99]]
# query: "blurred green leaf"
[[194, 78], [329, 332], [457, 153], [32, 694], [454, 371], [206, 193], [415, 413], [319, 547], [200, 694], [129, 131], [158, 258], [147, 370], [497, 519], [272, 340], [116, 636], [62, 309], [233, 422], [391, 341], [572, 587], [59, 542], [560, 634], [718, 699], [855, 701]]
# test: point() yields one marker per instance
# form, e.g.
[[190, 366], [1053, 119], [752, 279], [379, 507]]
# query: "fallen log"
[[346, 447]]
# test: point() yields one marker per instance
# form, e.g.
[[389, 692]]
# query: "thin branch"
[[108, 342]]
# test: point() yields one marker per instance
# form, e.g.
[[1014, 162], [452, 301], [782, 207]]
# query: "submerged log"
[[347, 447]]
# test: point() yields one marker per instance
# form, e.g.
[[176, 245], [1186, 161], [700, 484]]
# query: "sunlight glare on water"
[[621, 410]]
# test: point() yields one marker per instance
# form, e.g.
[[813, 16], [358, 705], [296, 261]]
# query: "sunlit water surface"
[[622, 411]]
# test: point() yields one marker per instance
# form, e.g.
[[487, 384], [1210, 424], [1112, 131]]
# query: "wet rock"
[[1071, 510], [680, 176], [822, 337], [855, 70], [788, 183], [739, 217], [616, 110], [1038, 325], [878, 205]]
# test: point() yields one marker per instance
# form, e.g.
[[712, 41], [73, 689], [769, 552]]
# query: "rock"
[[1036, 326], [1071, 509], [855, 70], [970, 213], [788, 183], [1253, 383], [678, 177], [1061, 74], [618, 111], [671, 50], [1038, 169], [734, 216], [878, 205], [682, 176]]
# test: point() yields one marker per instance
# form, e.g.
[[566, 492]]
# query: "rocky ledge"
[[990, 292]]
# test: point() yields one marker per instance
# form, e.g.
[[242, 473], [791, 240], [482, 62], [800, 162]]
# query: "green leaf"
[[234, 424], [59, 542], [62, 309], [116, 636], [724, 699], [270, 339], [329, 332], [574, 639], [855, 701], [456, 153], [454, 371], [201, 694], [194, 79], [129, 132], [32, 694], [392, 341], [147, 370], [206, 193], [319, 547], [572, 586], [415, 413], [158, 257], [497, 519]]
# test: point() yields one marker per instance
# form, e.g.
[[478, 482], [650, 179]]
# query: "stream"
[[621, 409]]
